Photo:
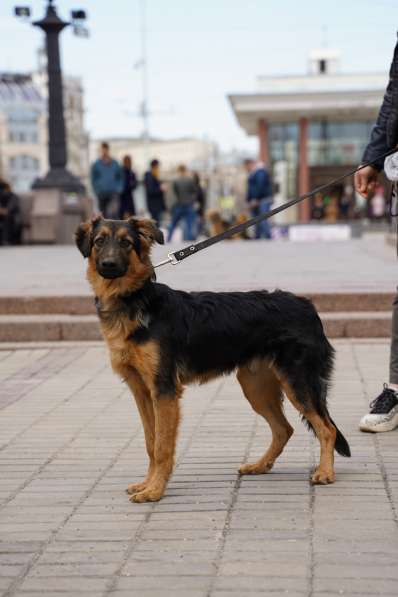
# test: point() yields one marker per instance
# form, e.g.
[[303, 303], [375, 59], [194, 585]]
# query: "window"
[[23, 126], [24, 163], [337, 142], [23, 170]]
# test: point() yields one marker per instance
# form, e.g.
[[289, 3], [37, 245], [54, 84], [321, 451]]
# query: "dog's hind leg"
[[262, 389], [144, 404], [326, 434], [167, 415]]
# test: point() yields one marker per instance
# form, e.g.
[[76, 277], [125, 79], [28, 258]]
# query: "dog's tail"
[[341, 446]]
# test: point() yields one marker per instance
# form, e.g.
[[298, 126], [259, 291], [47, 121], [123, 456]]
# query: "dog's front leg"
[[167, 414], [144, 404]]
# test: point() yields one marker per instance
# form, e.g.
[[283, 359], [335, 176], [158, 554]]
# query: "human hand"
[[3, 211], [365, 180]]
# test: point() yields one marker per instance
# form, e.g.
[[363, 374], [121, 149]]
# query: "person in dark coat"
[[200, 201], [126, 206], [259, 195], [185, 194], [383, 410], [10, 216], [155, 190]]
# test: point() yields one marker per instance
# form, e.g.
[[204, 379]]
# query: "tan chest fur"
[[125, 354]]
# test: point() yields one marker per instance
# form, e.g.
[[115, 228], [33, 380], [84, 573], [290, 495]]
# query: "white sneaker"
[[383, 414]]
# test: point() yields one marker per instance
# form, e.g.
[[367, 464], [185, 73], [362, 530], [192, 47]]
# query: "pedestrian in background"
[[200, 203], [185, 194], [318, 209], [378, 204], [259, 195], [126, 204], [10, 216], [383, 410], [107, 182], [155, 190]]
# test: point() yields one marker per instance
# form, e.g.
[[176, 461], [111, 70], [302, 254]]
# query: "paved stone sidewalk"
[[70, 442], [368, 264]]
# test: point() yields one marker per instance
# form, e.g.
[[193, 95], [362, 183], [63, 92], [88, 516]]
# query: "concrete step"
[[51, 327], [357, 325], [84, 304]]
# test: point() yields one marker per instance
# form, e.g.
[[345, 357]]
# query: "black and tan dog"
[[161, 339]]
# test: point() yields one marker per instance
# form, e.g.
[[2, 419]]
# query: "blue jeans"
[[263, 229], [186, 213]]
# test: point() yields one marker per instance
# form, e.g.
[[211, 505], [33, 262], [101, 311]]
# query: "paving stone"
[[361, 586], [80, 584], [72, 441], [167, 583]]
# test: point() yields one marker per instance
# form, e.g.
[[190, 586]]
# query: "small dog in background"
[[218, 225], [161, 340]]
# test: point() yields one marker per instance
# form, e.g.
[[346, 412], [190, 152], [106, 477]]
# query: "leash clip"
[[171, 258]]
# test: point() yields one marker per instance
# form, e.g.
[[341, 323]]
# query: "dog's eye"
[[99, 241], [125, 243]]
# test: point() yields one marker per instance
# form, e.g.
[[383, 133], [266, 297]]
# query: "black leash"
[[177, 256]]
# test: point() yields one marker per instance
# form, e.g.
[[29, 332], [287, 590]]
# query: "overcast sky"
[[198, 52]]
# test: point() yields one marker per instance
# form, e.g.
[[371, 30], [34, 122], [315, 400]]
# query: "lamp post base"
[[59, 178], [56, 213]]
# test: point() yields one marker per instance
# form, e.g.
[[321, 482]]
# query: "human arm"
[[383, 136]]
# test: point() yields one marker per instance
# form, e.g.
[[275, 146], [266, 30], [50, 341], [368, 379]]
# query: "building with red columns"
[[317, 125]]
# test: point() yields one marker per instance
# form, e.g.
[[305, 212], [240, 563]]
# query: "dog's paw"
[[135, 487], [255, 469], [322, 477], [147, 495]]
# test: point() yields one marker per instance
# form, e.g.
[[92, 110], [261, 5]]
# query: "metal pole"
[[145, 106], [58, 176]]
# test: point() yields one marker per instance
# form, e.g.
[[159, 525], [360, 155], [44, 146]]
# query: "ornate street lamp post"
[[58, 194], [58, 176]]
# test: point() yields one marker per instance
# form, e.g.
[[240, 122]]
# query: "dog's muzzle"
[[111, 270]]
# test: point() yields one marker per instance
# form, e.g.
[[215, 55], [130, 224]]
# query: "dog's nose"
[[108, 263]]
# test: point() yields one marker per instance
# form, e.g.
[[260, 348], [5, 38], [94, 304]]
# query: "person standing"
[[107, 182], [154, 190], [378, 204], [383, 410], [200, 202], [185, 193], [10, 216], [259, 195], [318, 209], [126, 204]]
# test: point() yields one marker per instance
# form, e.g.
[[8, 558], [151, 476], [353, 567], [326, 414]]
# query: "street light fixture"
[[58, 177], [22, 12]]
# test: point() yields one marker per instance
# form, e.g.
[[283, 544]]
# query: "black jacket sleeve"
[[384, 135]]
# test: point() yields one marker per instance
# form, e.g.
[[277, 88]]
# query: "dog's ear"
[[148, 230], [84, 235], [83, 238]]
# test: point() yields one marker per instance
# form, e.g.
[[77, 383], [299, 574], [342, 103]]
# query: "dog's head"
[[118, 248]]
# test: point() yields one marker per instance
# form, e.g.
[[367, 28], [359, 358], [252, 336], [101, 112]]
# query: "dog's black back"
[[207, 332]]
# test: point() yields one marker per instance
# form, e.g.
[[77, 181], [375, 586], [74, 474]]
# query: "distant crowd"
[[182, 201], [114, 185]]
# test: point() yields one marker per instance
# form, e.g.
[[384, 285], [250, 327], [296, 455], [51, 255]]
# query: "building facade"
[[23, 129], [316, 125]]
